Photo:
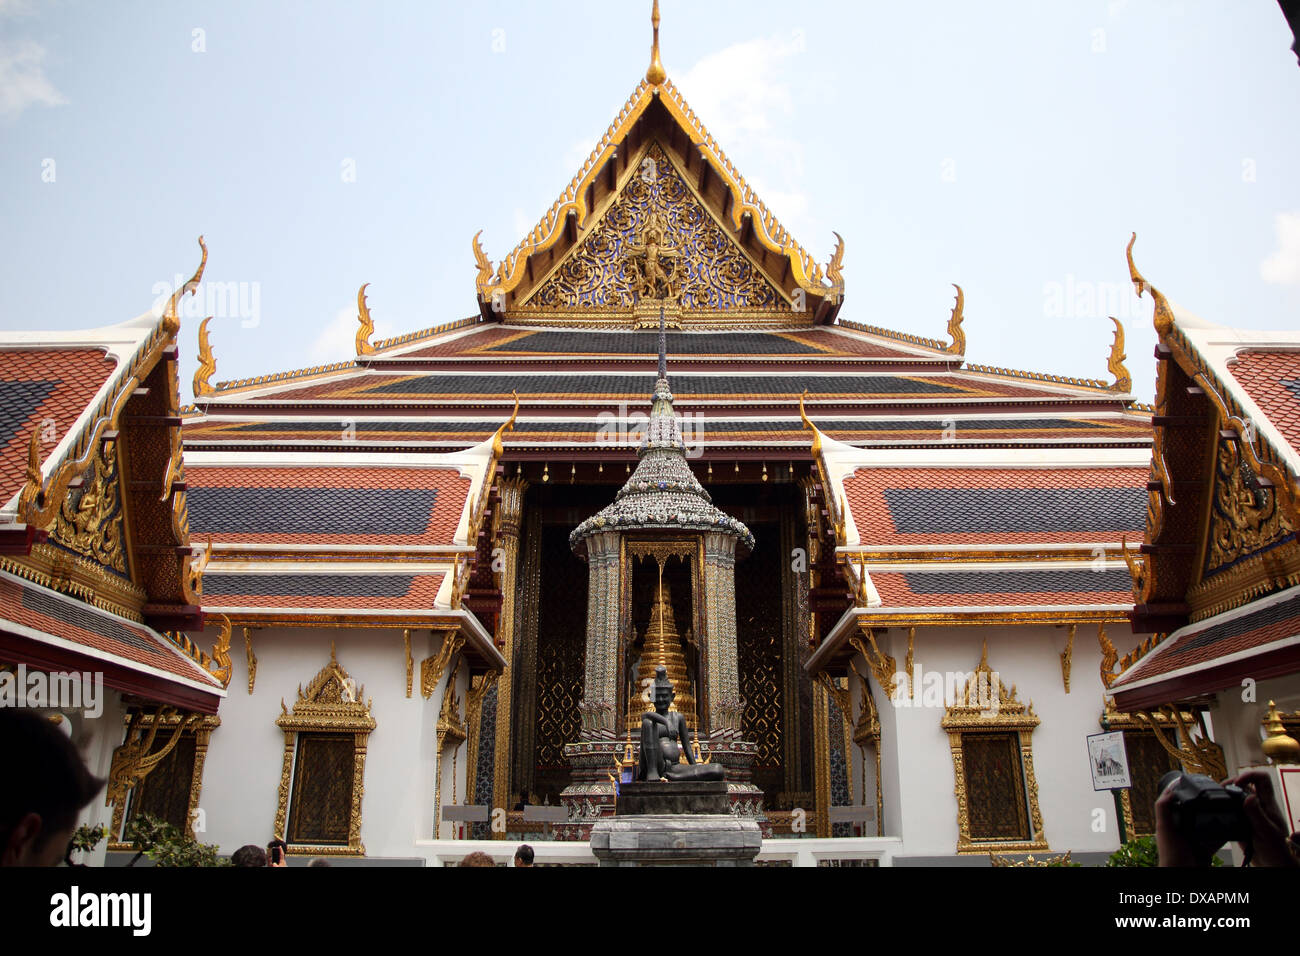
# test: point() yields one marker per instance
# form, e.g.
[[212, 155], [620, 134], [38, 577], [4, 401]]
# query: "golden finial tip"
[[656, 74]]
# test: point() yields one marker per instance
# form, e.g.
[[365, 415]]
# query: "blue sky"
[[1009, 147]]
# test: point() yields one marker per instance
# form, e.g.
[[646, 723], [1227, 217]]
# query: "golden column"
[[509, 516]]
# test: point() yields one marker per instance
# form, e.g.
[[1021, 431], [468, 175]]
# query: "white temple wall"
[[241, 778], [1238, 714], [96, 739], [920, 805]]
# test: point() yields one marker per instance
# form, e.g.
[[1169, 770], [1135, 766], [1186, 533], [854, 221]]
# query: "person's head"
[[524, 855], [477, 858], [319, 861], [46, 786], [248, 855]]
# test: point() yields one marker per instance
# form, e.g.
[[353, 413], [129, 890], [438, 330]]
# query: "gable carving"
[[1244, 513], [711, 270]]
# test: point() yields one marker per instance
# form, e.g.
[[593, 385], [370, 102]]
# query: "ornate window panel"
[[989, 731], [322, 778], [158, 770]]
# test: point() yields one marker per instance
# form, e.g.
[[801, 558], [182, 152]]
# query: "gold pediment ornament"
[[657, 241], [1244, 513], [89, 522]]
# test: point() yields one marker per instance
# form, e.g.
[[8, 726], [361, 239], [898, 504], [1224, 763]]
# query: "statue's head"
[[664, 693]]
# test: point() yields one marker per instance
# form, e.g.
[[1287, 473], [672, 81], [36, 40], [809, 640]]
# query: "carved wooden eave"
[[1215, 452], [659, 114]]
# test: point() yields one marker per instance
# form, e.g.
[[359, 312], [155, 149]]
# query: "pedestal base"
[[664, 797], [590, 797], [676, 839]]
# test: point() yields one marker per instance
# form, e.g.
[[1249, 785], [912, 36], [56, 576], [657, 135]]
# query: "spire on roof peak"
[[663, 346], [655, 74]]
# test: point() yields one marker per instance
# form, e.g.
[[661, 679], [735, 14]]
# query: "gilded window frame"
[[971, 715], [167, 720], [331, 703]]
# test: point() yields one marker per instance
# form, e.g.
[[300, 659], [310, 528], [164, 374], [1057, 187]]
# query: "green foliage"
[[168, 846], [1142, 852], [1139, 852], [86, 838]]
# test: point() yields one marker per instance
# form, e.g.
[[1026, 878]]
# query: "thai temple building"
[[892, 588]]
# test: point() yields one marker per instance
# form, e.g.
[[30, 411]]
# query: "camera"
[[1207, 814]]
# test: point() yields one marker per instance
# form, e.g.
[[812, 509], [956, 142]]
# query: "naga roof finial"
[[656, 73]]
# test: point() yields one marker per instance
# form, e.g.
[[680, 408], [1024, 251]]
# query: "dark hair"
[[248, 855], [44, 774], [524, 854], [276, 844]]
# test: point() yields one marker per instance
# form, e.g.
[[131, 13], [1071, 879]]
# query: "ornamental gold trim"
[[1067, 656], [251, 659], [432, 667], [51, 567]]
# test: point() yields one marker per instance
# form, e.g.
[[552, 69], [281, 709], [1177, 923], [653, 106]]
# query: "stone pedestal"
[[662, 797], [675, 823], [676, 839]]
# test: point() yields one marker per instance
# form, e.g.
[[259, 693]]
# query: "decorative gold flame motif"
[[171, 319], [958, 346], [1115, 364], [484, 264], [207, 362], [367, 324]]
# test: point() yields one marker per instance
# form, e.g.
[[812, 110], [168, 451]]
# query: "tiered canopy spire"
[[663, 492]]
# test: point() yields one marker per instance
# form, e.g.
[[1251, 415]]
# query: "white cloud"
[[22, 78], [337, 341], [1283, 264], [743, 97]]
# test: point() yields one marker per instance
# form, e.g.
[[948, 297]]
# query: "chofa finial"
[[656, 74]]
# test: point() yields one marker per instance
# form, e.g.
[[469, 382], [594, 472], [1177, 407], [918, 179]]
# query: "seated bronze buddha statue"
[[665, 737]]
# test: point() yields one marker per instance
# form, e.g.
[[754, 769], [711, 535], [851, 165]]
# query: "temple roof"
[[657, 158], [1219, 559]]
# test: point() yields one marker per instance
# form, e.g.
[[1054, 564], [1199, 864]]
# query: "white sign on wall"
[[1108, 761]]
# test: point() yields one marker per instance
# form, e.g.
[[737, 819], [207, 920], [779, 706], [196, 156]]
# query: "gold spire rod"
[[656, 74]]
